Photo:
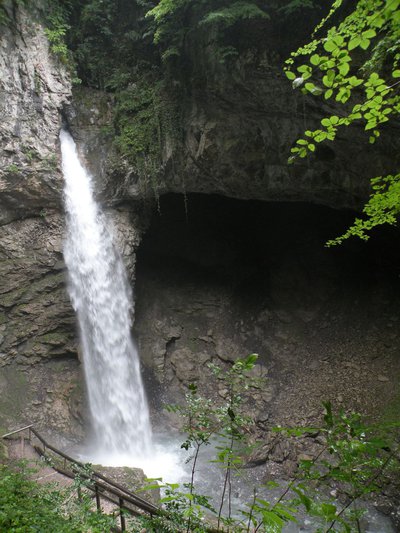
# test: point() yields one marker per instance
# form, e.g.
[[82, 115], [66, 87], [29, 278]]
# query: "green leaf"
[[315, 59], [354, 42], [328, 511], [305, 500], [290, 75], [251, 360], [396, 73], [304, 68], [355, 82], [369, 34], [364, 44], [344, 68], [343, 95], [338, 40], [329, 46], [331, 75], [370, 125]]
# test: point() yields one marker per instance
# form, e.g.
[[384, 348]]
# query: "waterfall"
[[102, 298]]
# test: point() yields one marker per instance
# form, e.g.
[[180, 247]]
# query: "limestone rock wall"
[[33, 88], [36, 319]]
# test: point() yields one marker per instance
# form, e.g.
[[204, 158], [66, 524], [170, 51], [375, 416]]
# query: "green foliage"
[[5, 7], [12, 168], [383, 207], [137, 121], [24, 505], [174, 19], [27, 506], [56, 33], [110, 42], [230, 15], [356, 462], [146, 118], [297, 5], [204, 420], [368, 91], [4, 17]]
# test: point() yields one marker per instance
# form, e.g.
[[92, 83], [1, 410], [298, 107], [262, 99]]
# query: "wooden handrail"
[[123, 498], [140, 502], [100, 488], [16, 431]]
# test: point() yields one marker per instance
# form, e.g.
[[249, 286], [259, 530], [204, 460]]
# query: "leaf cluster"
[[356, 63]]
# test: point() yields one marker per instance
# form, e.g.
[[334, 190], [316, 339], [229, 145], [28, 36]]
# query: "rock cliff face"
[[236, 130], [35, 315], [33, 89], [40, 377]]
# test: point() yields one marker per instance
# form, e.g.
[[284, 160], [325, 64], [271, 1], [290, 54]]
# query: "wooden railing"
[[101, 486]]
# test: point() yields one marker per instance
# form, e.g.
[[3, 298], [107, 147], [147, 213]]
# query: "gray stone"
[[383, 379]]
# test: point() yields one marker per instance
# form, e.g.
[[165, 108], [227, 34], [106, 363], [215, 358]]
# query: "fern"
[[227, 16], [296, 5], [165, 8]]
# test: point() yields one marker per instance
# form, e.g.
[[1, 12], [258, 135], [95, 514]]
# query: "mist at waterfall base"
[[102, 299]]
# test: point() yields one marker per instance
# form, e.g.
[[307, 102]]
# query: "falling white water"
[[101, 296]]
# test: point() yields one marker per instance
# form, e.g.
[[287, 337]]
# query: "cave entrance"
[[262, 252], [219, 278]]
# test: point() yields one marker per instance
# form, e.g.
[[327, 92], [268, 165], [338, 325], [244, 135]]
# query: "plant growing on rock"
[[207, 423], [233, 423]]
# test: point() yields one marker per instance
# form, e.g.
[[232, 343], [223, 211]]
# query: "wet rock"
[[38, 320], [280, 452], [188, 366], [134, 479]]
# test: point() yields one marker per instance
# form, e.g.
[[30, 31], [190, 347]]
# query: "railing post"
[[121, 514], [96, 491], [22, 445]]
